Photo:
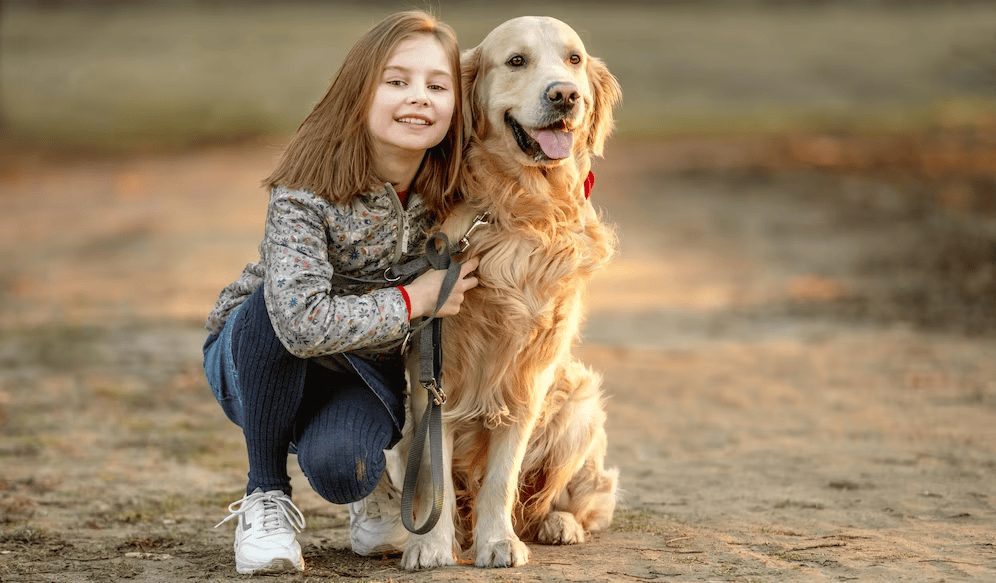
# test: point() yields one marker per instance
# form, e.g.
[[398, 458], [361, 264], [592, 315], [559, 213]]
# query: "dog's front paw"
[[560, 528], [508, 552], [427, 553]]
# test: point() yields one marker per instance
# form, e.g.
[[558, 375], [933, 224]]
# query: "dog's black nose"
[[562, 95]]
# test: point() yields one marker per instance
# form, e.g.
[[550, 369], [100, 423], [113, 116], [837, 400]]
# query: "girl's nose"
[[418, 95]]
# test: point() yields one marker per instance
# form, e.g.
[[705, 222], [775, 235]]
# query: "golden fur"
[[524, 423]]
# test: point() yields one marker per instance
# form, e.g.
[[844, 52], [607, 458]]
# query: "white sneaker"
[[375, 526], [265, 540]]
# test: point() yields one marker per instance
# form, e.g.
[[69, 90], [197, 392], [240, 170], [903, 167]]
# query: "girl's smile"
[[415, 120]]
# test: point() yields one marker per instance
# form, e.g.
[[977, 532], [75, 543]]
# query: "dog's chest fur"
[[526, 311]]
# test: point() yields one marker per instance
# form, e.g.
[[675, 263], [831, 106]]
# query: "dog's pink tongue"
[[555, 144]]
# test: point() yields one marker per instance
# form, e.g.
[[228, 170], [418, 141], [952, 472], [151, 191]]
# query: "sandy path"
[[777, 411]]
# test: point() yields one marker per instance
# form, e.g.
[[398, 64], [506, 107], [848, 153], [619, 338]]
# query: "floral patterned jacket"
[[308, 245]]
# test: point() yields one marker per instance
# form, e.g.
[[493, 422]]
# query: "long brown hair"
[[331, 153]]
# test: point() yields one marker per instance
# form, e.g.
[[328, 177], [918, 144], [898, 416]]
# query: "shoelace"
[[274, 507]]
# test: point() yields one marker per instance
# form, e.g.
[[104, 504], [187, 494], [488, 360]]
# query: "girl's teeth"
[[411, 120]]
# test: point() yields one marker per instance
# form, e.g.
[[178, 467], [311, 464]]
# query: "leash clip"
[[479, 220], [438, 396]]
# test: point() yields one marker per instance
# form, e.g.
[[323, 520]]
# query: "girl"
[[304, 351]]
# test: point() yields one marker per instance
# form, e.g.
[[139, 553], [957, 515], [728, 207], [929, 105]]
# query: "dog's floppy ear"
[[474, 119], [607, 94]]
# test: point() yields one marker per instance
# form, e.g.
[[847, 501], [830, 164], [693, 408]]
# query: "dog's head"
[[532, 92]]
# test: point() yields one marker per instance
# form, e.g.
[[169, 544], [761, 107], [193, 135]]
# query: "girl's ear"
[[474, 120], [607, 94]]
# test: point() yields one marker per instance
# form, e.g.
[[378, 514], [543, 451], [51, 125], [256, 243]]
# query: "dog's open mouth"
[[552, 142]]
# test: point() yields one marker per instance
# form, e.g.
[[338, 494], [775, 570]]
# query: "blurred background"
[[112, 75], [147, 103], [805, 196]]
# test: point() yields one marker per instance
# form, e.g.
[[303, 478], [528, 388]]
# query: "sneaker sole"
[[274, 566]]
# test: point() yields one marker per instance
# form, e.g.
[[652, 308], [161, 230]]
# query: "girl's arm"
[[309, 320]]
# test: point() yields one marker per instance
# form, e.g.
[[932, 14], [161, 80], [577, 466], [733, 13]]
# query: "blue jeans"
[[346, 416], [219, 367]]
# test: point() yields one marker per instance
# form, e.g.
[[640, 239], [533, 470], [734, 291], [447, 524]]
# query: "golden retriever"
[[524, 438]]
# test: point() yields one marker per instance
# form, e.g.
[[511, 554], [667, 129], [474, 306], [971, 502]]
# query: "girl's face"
[[413, 104]]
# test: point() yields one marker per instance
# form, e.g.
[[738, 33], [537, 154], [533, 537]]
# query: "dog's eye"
[[575, 59], [516, 61]]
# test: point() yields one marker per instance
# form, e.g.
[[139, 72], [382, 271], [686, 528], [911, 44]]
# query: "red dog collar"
[[588, 184]]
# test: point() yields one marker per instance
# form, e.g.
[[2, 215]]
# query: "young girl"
[[304, 351]]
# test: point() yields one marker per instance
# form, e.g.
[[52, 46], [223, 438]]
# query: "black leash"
[[431, 426], [437, 255]]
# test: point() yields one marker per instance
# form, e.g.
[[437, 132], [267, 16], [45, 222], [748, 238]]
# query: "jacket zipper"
[[401, 245]]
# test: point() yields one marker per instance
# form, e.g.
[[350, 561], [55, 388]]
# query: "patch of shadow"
[[32, 542], [799, 504], [636, 520], [213, 561], [56, 347], [145, 544], [847, 485], [136, 511], [325, 561], [31, 484], [16, 508], [21, 447], [897, 462], [26, 535], [122, 241], [911, 248], [940, 275], [182, 448]]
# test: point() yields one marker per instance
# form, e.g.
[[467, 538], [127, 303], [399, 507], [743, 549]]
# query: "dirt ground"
[[798, 344]]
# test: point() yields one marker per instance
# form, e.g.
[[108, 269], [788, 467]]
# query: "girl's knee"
[[342, 476]]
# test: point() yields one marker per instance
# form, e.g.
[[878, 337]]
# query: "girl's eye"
[[516, 61], [575, 59], [437, 88], [396, 82]]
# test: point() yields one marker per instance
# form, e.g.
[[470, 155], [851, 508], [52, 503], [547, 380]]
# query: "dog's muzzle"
[[553, 141]]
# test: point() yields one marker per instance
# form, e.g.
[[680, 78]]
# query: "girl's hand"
[[424, 291]]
